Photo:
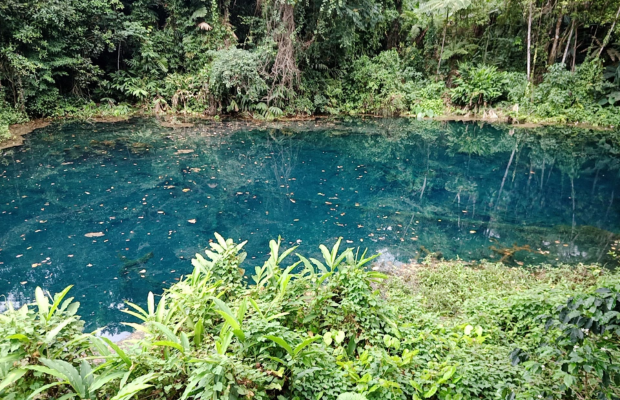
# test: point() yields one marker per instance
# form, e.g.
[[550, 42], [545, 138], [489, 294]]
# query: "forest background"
[[554, 61]]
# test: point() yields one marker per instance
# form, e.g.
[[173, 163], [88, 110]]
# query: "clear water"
[[401, 187]]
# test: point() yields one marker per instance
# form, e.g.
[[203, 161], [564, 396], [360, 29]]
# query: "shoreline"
[[18, 131]]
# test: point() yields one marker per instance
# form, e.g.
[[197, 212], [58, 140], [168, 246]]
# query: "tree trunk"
[[529, 43], [554, 48], [575, 50], [443, 41], [611, 30], [570, 36], [393, 35]]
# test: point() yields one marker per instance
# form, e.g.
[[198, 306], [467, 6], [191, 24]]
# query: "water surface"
[[119, 209]]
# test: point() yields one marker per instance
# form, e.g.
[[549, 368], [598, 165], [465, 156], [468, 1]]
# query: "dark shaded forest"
[[534, 60]]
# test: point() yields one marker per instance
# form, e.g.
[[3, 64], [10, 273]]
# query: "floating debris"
[[94, 234]]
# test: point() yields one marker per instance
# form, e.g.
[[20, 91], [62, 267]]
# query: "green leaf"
[[72, 375], [415, 385], [326, 255], [166, 331], [118, 351], [42, 303], [282, 343], [57, 299], [304, 344], [226, 310], [20, 337], [430, 392], [198, 331], [52, 334], [231, 320], [286, 254], [143, 315], [12, 377], [272, 317], [161, 310], [168, 343], [137, 327], [43, 389], [151, 303], [185, 342], [11, 358], [220, 240], [327, 338], [134, 387]]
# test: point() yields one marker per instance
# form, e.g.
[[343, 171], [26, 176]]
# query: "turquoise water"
[[119, 209]]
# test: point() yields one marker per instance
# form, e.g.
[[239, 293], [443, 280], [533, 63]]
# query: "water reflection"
[[119, 209]]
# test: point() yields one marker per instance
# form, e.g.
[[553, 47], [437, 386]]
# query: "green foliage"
[[83, 59], [562, 89], [8, 116], [333, 329], [585, 349], [566, 96], [480, 85], [235, 79]]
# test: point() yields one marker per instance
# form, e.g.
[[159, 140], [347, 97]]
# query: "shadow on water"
[[119, 209]]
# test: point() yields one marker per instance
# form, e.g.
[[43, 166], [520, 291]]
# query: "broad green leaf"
[[166, 331], [305, 344], [232, 321], [42, 303], [134, 387], [103, 379], [118, 351], [326, 255], [286, 254], [431, 391], [69, 371], [151, 303], [12, 377], [57, 299], [43, 389], [20, 337], [52, 334], [185, 342], [198, 331], [168, 343], [282, 343], [221, 240]]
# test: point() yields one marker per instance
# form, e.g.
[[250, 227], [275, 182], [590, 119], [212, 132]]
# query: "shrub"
[[376, 85], [8, 116], [235, 77], [329, 329], [562, 90], [478, 85]]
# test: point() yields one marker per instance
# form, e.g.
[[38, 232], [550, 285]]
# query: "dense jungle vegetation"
[[331, 329], [528, 60]]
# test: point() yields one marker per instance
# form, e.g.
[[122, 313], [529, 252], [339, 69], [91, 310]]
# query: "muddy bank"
[[18, 131]]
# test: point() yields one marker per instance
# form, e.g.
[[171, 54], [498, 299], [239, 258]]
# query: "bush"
[[330, 329], [562, 89], [566, 96], [376, 85], [235, 78], [480, 85], [8, 116]]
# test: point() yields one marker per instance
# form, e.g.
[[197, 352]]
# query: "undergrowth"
[[330, 329]]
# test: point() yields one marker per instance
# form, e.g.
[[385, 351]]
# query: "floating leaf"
[[94, 234]]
